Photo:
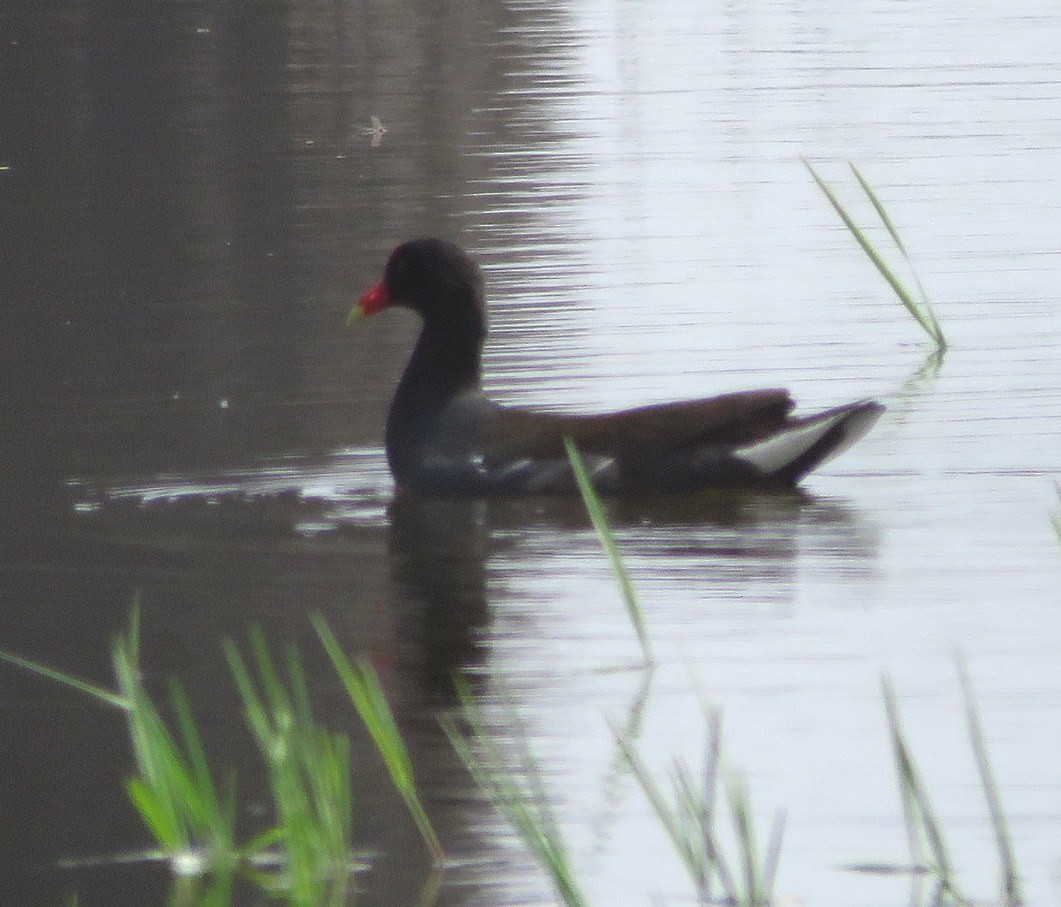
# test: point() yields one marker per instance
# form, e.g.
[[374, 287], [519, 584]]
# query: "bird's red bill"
[[374, 300]]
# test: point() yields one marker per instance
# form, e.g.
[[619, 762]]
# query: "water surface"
[[192, 198]]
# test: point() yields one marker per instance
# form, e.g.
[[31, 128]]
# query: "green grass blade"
[[923, 816], [773, 855], [517, 793], [921, 311], [490, 774], [530, 768], [1010, 877], [871, 251], [363, 687], [600, 522], [174, 791], [683, 822], [262, 842], [68, 680], [276, 698], [154, 749], [253, 706], [431, 889], [215, 816], [740, 807], [711, 774], [882, 212], [911, 818], [155, 815], [309, 774], [687, 815]]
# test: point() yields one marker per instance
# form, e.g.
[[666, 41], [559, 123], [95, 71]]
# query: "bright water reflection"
[[687, 250], [629, 176]]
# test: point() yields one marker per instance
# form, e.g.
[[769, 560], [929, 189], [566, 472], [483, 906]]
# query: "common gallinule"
[[444, 436]]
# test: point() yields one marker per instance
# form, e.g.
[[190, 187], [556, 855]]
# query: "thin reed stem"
[[1011, 888], [918, 306], [604, 532]]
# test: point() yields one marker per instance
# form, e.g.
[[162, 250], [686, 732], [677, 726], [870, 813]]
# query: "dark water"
[[191, 198]]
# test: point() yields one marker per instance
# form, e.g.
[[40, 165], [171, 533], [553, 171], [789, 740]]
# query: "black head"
[[435, 278]]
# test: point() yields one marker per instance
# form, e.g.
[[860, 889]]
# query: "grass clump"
[[688, 815], [309, 776], [305, 856], [929, 851], [512, 779], [517, 792], [173, 790], [916, 304]]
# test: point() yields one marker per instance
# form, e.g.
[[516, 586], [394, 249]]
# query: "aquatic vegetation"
[[689, 814], [173, 790], [305, 856], [929, 851], [1011, 890], [688, 817], [916, 304], [922, 826], [517, 791], [363, 687], [309, 777], [604, 532], [513, 780]]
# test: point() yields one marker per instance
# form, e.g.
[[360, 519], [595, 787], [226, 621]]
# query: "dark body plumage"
[[444, 436]]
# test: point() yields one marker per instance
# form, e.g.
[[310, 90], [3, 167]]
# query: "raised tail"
[[803, 444]]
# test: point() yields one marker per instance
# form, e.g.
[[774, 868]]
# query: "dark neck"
[[445, 362]]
